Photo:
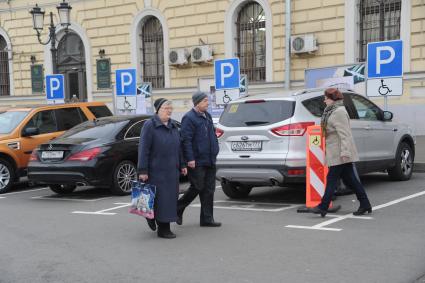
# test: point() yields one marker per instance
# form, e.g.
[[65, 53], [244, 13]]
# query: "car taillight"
[[296, 129], [85, 155], [34, 156], [219, 132], [296, 172]]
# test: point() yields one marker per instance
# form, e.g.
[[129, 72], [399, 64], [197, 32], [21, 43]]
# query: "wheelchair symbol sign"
[[315, 140]]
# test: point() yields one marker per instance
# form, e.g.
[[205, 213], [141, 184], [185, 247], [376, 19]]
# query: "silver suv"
[[262, 139]]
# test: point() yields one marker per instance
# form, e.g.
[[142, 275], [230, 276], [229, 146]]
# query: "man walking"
[[200, 149]]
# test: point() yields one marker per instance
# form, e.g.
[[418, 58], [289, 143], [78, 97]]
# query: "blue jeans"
[[349, 175]]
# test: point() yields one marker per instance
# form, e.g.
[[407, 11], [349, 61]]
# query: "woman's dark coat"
[[160, 157]]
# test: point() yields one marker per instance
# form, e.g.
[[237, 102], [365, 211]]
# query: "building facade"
[[142, 34]]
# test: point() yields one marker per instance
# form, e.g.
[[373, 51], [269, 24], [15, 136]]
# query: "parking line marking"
[[2, 197], [104, 211], [70, 199], [250, 206], [21, 192], [321, 226]]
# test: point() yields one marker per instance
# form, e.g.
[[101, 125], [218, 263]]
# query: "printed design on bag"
[[142, 199]]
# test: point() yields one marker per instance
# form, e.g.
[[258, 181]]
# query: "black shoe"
[[151, 223], [211, 224], [179, 218], [362, 211], [166, 234], [318, 210]]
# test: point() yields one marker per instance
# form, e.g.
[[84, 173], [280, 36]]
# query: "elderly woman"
[[340, 153], [160, 164]]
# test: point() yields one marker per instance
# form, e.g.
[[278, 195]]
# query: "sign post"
[[227, 78], [55, 89], [385, 69], [126, 90]]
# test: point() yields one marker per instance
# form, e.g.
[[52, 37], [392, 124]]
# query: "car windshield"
[[10, 119], [256, 113], [95, 130]]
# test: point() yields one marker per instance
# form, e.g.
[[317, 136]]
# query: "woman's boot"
[[164, 231]]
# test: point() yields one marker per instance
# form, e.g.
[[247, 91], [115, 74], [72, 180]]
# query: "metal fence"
[[379, 21], [152, 52]]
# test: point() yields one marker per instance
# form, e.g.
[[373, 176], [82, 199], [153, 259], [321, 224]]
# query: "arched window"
[[152, 51], [4, 68], [251, 41]]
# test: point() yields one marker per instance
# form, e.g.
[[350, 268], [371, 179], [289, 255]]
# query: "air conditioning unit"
[[178, 57], [202, 54], [303, 44]]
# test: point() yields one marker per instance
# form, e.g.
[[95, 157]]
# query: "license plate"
[[247, 146], [52, 154]]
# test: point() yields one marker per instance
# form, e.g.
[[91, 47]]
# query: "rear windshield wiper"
[[252, 123]]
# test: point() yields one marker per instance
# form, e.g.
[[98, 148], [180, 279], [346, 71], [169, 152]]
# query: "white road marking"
[[21, 192], [104, 211], [241, 205], [321, 226], [2, 197], [70, 199]]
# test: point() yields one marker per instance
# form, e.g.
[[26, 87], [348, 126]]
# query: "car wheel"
[[403, 168], [7, 175], [235, 190], [124, 173], [62, 189]]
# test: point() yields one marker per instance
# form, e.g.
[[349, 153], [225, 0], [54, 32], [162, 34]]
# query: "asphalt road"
[[89, 236]]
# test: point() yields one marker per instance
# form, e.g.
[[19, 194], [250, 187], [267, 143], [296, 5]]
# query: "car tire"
[[124, 173], [7, 176], [402, 171], [235, 190], [62, 189]]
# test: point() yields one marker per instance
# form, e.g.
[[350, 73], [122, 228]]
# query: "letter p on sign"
[[227, 73], [385, 59]]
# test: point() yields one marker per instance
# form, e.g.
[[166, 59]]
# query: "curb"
[[419, 167]]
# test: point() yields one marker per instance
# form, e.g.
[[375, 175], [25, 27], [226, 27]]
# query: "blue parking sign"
[[55, 87], [227, 73], [125, 82], [385, 59]]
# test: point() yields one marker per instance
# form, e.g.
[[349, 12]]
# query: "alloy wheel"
[[126, 174], [4, 176], [406, 162]]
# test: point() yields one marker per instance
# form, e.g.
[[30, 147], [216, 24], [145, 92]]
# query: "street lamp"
[[64, 10]]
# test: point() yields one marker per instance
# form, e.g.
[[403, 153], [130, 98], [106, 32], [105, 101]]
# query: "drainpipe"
[[288, 44]]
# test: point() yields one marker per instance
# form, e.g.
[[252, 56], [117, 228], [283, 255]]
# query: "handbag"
[[142, 199]]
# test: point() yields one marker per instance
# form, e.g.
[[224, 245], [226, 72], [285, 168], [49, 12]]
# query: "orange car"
[[23, 129]]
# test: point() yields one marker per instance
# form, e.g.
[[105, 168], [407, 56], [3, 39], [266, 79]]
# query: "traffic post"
[[316, 170], [227, 80], [385, 69], [55, 90], [126, 90]]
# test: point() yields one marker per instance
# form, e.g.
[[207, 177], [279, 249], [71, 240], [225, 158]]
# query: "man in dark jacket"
[[200, 149]]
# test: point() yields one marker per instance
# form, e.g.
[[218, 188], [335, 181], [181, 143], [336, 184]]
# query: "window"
[[104, 129], [9, 120], [134, 130], [152, 52], [44, 121], [100, 111], [317, 105], [4, 68], [69, 117], [366, 110], [251, 41], [379, 21], [258, 113]]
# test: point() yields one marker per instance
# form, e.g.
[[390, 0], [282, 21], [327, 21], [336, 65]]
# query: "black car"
[[101, 153]]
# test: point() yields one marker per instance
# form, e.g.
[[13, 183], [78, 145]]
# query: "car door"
[[45, 121], [69, 117], [379, 140]]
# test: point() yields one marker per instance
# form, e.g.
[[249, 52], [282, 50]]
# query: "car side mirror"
[[30, 131], [388, 116]]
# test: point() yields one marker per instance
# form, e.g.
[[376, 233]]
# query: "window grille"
[[152, 52], [379, 21], [4, 68], [251, 41]]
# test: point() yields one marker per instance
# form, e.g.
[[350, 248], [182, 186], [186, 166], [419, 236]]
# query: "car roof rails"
[[310, 90]]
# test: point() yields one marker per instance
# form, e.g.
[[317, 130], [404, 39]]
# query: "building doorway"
[[72, 64]]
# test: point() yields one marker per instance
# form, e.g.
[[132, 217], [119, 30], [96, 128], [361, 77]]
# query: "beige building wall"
[[109, 25]]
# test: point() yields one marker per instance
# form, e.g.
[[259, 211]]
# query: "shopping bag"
[[142, 199]]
